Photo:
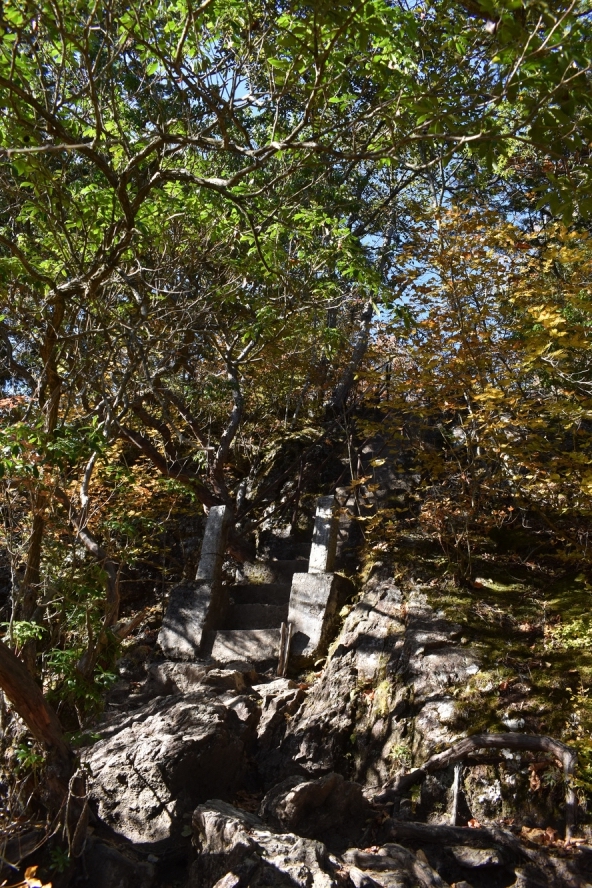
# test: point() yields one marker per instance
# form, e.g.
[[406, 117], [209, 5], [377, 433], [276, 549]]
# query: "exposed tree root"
[[462, 751]]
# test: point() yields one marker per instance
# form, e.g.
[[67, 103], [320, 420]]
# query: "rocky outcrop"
[[385, 694], [108, 867], [391, 866], [235, 848], [155, 764], [322, 765], [330, 809]]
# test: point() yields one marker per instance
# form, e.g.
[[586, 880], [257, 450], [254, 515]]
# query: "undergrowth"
[[524, 609]]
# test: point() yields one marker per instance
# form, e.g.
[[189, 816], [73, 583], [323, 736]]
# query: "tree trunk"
[[27, 603], [28, 701]]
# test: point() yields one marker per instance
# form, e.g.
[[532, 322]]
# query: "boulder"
[[280, 699], [157, 763], [237, 849], [107, 867], [170, 677], [331, 809], [391, 866], [396, 662]]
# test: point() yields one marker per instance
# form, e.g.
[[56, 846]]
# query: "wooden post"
[[284, 652]]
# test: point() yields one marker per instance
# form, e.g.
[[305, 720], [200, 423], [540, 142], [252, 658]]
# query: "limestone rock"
[[280, 699], [330, 809], [392, 866], [236, 848], [402, 660], [108, 867], [476, 857], [159, 762], [170, 677]]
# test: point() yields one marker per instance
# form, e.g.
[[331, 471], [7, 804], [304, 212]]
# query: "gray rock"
[[476, 857], [246, 708], [255, 647], [234, 844], [225, 680], [387, 686], [107, 867], [230, 880], [157, 763], [330, 809], [361, 879], [170, 677], [280, 699], [393, 867]]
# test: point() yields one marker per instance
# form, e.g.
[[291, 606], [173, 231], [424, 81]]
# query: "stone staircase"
[[243, 625], [252, 626]]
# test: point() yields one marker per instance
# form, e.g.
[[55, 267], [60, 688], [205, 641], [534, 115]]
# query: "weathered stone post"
[[316, 596], [324, 537], [199, 606]]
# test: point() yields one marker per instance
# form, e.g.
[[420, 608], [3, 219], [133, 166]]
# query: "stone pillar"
[[315, 601], [324, 537], [197, 607], [317, 596], [213, 545]]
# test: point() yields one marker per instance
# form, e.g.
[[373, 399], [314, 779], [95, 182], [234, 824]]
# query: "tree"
[[194, 196]]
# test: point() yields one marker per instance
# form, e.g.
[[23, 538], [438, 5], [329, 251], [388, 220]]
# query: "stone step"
[[284, 570], [286, 547], [271, 572], [260, 593], [256, 646], [256, 616]]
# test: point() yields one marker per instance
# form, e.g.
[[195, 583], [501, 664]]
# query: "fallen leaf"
[[553, 835], [535, 835], [474, 824], [534, 780]]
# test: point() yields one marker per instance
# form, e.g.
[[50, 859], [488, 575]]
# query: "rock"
[[394, 664], [248, 648], [159, 762], [245, 707], [392, 866], [225, 680], [362, 880], [280, 699], [237, 847], [170, 677], [228, 881], [330, 809], [107, 867], [476, 857]]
